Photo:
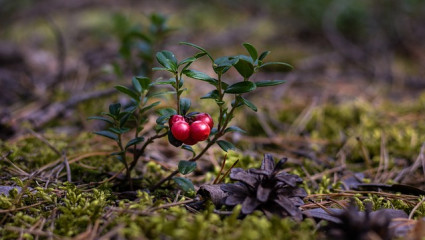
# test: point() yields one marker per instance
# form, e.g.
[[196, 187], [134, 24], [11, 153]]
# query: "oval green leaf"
[[211, 95], [101, 118], [269, 83], [244, 67], [114, 109], [186, 167], [190, 149], [134, 141], [184, 105], [234, 129], [167, 60], [251, 50], [199, 48], [129, 92], [263, 55], [286, 65], [107, 134], [241, 87], [225, 145], [247, 103], [200, 76], [184, 183]]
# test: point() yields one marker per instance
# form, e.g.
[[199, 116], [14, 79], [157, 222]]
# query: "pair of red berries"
[[191, 129]]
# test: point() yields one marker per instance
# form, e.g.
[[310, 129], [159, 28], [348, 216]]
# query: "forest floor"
[[353, 133]]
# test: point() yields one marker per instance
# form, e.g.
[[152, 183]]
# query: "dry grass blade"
[[416, 208], [45, 141], [365, 153], [22, 208], [228, 171], [33, 232]]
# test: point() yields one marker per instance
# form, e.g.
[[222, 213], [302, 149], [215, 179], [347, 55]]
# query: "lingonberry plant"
[[131, 119], [189, 128], [182, 127]]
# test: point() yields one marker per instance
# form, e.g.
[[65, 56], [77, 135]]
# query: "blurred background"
[[353, 60]]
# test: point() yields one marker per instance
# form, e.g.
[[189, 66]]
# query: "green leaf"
[[252, 51], [199, 48], [130, 108], [211, 95], [221, 65], [263, 55], [169, 81], [107, 134], [173, 140], [244, 66], [241, 87], [114, 109], [287, 66], [184, 183], [213, 131], [136, 85], [144, 82], [159, 69], [186, 167], [269, 83], [234, 129], [134, 141], [124, 118], [119, 130], [198, 55], [225, 145], [118, 155], [200, 76], [166, 111], [187, 60], [184, 105], [150, 106], [190, 149], [167, 60], [129, 92], [101, 118], [165, 114], [248, 103], [158, 94], [161, 120]]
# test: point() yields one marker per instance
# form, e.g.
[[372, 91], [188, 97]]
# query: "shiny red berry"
[[175, 118], [181, 130], [190, 141], [206, 118], [199, 131]]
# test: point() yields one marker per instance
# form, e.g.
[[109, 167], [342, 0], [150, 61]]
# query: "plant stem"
[[175, 172], [124, 160], [220, 105], [138, 153], [220, 132], [135, 158], [177, 92]]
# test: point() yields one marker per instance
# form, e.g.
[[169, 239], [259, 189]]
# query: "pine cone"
[[267, 189], [355, 225]]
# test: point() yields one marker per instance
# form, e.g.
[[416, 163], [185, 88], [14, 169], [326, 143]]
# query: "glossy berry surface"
[[206, 118], [175, 118], [181, 130], [199, 131]]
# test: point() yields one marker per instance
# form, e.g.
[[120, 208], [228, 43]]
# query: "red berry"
[[174, 119], [190, 141], [206, 118], [180, 130], [199, 131]]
